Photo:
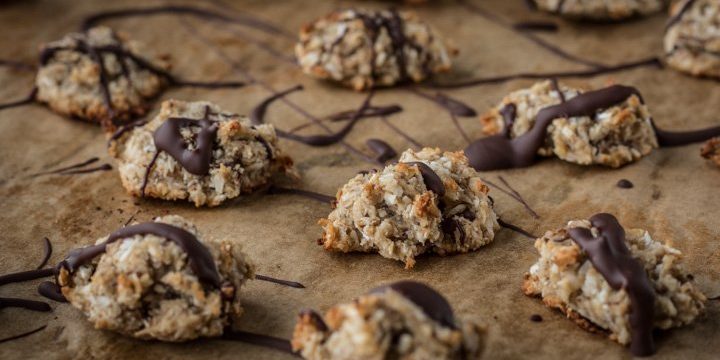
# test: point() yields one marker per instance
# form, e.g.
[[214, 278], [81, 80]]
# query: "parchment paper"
[[675, 195]]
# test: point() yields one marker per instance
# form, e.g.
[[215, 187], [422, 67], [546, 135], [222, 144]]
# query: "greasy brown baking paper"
[[675, 195]]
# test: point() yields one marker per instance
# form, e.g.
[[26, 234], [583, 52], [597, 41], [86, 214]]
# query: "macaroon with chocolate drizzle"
[[615, 281], [117, 82], [201, 154], [428, 202], [499, 152], [399, 310]]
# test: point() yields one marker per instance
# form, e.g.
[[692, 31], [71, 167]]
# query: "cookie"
[[612, 136], [98, 75], [429, 202], [195, 151], [157, 280], [403, 320], [364, 49], [615, 281], [692, 38], [711, 150], [601, 10]]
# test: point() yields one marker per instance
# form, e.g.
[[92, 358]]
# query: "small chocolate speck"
[[625, 184], [536, 318]]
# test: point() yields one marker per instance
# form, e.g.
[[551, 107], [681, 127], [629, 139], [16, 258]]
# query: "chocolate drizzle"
[[434, 305], [51, 291], [499, 152], [679, 138], [199, 257], [48, 253], [383, 151], [432, 181], [168, 138], [22, 335], [259, 339], [289, 283], [29, 99], [25, 304], [677, 17], [611, 257], [516, 229], [509, 113], [274, 189], [625, 184], [536, 26]]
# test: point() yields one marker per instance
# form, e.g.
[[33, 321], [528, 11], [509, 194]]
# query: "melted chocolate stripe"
[[260, 340], [611, 257], [48, 253], [103, 167], [17, 65], [199, 257], [25, 304], [397, 130], [168, 138], [274, 189], [51, 290], [675, 19], [516, 229], [536, 26], [22, 335], [453, 106], [680, 138], [382, 149], [289, 283], [25, 276], [257, 115], [653, 61], [432, 181], [371, 111], [69, 167], [433, 304], [25, 101]]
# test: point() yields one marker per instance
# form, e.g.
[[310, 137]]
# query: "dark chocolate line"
[[257, 115], [66, 168], [509, 113], [432, 181], [199, 257], [24, 304], [516, 229], [546, 26], [653, 61], [609, 254], [416, 144], [22, 335], [432, 303], [675, 19], [625, 184], [259, 340], [26, 276], [556, 88], [17, 65], [371, 111], [519, 197], [103, 167], [261, 45], [293, 284], [274, 189], [169, 139], [245, 20], [48, 253], [679, 138], [51, 290], [147, 173], [453, 106], [383, 151], [24, 101]]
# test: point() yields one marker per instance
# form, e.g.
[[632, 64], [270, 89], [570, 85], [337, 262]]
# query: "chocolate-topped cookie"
[[692, 38], [405, 320], [600, 10], [429, 202], [619, 281], [363, 49], [612, 135], [195, 151], [98, 75], [157, 280]]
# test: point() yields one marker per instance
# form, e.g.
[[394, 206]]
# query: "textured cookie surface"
[[565, 279], [144, 286], [613, 137], [601, 10], [79, 72], [692, 39], [407, 209], [711, 150], [364, 49], [243, 156], [388, 323]]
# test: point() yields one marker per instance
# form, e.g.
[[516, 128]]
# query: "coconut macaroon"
[[157, 280], [601, 10], [429, 202], [363, 49], [692, 38], [403, 320], [98, 75], [195, 151], [613, 136], [615, 281]]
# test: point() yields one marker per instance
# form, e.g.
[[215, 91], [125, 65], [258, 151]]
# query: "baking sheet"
[[675, 195]]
